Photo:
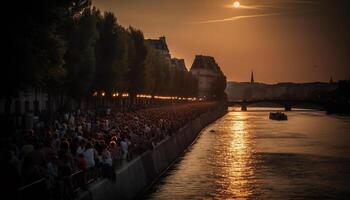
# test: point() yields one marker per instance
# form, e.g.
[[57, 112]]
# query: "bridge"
[[288, 104]]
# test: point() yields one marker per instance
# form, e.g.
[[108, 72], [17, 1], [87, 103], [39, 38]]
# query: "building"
[[238, 91], [206, 70], [179, 64], [28, 101], [161, 46]]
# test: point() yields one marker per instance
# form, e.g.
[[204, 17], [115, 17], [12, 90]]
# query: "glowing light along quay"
[[147, 96]]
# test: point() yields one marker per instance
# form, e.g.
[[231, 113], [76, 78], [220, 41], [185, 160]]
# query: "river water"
[[244, 155]]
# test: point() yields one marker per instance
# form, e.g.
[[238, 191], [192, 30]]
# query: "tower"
[[252, 78]]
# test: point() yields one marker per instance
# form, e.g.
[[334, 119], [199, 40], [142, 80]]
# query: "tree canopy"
[[70, 49]]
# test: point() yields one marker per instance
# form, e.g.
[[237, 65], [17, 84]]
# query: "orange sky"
[[281, 40]]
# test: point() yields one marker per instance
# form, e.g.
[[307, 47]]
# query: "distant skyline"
[[281, 41]]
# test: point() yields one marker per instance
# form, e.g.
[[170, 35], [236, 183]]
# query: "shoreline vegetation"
[[73, 52]]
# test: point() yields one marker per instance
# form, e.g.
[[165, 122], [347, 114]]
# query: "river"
[[244, 155]]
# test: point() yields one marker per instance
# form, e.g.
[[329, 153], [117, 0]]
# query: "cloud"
[[299, 1], [281, 4], [255, 7], [285, 7], [235, 18]]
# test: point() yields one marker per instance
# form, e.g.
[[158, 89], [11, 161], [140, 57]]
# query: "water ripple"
[[250, 157]]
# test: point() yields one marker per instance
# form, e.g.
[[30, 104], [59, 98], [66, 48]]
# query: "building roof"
[[206, 62], [159, 44], [179, 64]]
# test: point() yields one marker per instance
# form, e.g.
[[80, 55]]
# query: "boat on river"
[[278, 116]]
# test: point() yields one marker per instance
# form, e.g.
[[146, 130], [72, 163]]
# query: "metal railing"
[[35, 190], [65, 188]]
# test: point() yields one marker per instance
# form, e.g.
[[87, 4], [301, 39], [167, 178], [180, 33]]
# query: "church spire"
[[252, 77]]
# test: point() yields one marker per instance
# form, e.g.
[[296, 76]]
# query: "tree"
[[165, 84], [219, 87], [191, 85], [136, 73], [80, 56], [34, 56], [156, 68], [112, 52]]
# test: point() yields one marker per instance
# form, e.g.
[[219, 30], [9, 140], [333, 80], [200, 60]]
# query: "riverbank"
[[133, 177]]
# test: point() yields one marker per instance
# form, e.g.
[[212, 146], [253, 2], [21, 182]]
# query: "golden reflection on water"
[[246, 157], [240, 170]]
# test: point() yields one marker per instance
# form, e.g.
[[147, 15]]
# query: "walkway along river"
[[133, 177], [248, 156]]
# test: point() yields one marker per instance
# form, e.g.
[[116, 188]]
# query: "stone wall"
[[135, 176]]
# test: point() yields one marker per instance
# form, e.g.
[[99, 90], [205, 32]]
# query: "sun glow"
[[236, 4]]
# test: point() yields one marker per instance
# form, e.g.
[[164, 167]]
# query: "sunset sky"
[[280, 40]]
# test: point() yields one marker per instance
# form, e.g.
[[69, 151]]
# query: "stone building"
[[238, 91], [206, 70], [179, 64], [161, 46]]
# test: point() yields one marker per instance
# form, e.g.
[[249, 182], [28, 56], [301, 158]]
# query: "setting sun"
[[236, 4]]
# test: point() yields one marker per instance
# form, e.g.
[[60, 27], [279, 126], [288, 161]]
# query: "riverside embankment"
[[139, 173]]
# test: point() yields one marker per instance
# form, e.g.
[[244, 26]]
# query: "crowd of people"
[[89, 142]]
